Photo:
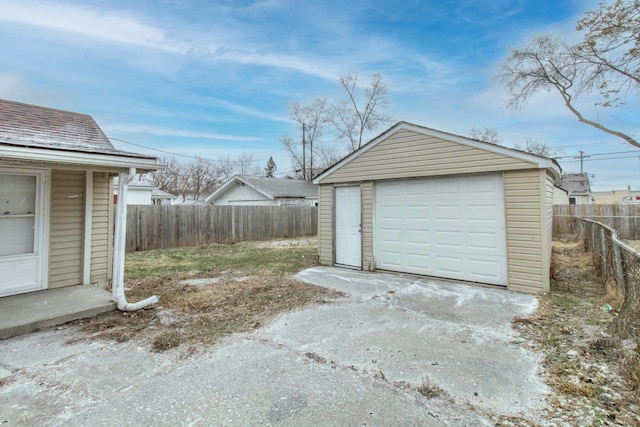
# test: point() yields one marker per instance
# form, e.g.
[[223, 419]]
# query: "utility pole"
[[581, 157], [311, 159], [304, 159]]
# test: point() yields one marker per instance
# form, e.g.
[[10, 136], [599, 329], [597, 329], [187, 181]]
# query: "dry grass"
[[591, 378], [250, 283]]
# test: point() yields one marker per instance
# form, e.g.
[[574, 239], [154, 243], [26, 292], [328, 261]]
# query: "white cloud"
[[247, 111], [88, 22], [160, 131]]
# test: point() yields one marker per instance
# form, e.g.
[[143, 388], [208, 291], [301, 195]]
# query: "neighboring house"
[[560, 196], [255, 191], [56, 187], [616, 197], [577, 186], [142, 193], [421, 201], [160, 197]]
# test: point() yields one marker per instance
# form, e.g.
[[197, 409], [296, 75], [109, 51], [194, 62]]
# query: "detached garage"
[[421, 201]]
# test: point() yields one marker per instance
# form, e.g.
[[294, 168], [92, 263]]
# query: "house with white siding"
[[258, 191], [421, 201], [143, 193], [56, 196]]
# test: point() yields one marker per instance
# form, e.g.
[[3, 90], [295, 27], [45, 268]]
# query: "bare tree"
[[247, 164], [362, 111], [166, 179], [312, 121], [540, 148], [201, 178], [485, 134], [295, 155], [605, 64], [326, 156]]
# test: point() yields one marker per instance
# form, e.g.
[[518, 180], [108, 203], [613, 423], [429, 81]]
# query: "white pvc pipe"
[[117, 284]]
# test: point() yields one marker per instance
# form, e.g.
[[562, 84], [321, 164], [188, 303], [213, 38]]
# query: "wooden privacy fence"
[[162, 227], [623, 218]]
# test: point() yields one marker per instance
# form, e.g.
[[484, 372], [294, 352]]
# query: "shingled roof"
[[28, 125], [576, 184], [282, 187], [273, 188]]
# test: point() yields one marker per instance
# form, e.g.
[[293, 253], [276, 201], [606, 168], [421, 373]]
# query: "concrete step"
[[25, 313]]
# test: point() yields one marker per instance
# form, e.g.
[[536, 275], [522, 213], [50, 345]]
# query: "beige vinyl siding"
[[526, 231], [408, 154], [367, 225], [100, 229], [67, 223], [325, 224]]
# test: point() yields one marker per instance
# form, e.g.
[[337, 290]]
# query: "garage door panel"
[[449, 227], [447, 187], [418, 237], [484, 241], [484, 212], [484, 270], [448, 239], [420, 262], [449, 264], [392, 259], [447, 213]]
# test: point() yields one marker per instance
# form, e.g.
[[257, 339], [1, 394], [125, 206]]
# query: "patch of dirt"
[[196, 316], [289, 243], [586, 369]]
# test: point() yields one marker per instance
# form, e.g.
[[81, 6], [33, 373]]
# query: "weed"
[[166, 342], [429, 391], [316, 358], [633, 371]]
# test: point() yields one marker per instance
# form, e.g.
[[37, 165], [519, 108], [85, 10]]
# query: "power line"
[[192, 157], [150, 148], [608, 158], [603, 154]]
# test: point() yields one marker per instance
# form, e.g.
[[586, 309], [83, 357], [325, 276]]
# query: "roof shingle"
[[40, 127]]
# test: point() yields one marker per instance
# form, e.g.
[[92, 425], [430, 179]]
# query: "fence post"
[[619, 271], [603, 252]]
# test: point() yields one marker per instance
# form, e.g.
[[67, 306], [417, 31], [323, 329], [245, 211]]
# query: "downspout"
[[117, 286]]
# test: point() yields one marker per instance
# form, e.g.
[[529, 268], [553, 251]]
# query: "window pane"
[[17, 214], [17, 236], [17, 194]]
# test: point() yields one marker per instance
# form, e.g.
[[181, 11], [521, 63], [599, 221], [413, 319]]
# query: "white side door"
[[22, 231], [348, 226]]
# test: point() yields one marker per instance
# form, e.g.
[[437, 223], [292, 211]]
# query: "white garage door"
[[446, 227]]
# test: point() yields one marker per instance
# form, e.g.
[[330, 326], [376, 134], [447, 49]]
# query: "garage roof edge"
[[540, 161]]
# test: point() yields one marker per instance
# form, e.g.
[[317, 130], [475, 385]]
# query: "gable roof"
[[576, 184], [161, 194], [31, 132], [534, 159], [272, 188]]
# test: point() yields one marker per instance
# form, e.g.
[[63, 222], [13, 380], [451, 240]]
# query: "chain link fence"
[[618, 265]]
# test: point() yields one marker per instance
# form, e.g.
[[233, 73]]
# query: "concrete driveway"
[[367, 359]]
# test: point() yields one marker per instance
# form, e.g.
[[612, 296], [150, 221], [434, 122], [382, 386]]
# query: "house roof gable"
[[576, 184], [271, 188], [539, 161]]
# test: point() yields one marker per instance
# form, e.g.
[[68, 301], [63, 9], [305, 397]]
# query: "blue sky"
[[214, 78]]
